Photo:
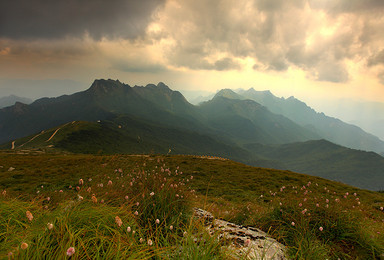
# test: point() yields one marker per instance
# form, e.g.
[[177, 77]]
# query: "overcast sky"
[[312, 49]]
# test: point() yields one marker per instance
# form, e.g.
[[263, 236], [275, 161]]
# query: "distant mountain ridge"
[[327, 127], [12, 99]]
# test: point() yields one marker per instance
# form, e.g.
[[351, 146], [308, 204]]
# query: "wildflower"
[[321, 229], [118, 221], [317, 205], [185, 234], [293, 223], [300, 204], [128, 229], [381, 208], [327, 206], [70, 251], [152, 193], [94, 199], [171, 227], [109, 182], [126, 197], [61, 191], [29, 215], [49, 226], [141, 240], [247, 242], [157, 221], [137, 203], [327, 200], [78, 188], [81, 182], [24, 246], [48, 198], [150, 242], [136, 213]]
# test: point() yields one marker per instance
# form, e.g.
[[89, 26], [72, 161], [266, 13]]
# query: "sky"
[[315, 50]]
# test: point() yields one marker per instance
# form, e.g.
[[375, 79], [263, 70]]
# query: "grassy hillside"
[[314, 217], [327, 160]]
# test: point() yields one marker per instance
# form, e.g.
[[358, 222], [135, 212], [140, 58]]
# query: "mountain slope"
[[125, 134], [103, 100], [327, 160], [327, 127], [247, 121]]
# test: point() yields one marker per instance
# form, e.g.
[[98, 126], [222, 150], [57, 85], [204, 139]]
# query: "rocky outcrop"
[[244, 242]]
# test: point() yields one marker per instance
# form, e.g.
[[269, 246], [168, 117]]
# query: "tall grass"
[[328, 225], [136, 213]]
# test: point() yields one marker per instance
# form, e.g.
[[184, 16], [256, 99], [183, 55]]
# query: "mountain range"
[[112, 117]]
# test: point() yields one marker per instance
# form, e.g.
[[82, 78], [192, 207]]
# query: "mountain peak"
[[162, 85], [104, 86], [228, 93]]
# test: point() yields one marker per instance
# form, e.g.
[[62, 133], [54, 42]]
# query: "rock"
[[244, 242]]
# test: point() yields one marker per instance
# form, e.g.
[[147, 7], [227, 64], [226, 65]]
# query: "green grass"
[[162, 187]]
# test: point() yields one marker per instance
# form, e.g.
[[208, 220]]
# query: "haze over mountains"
[[251, 127], [12, 99]]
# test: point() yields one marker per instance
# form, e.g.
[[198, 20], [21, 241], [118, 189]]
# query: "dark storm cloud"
[[33, 19]]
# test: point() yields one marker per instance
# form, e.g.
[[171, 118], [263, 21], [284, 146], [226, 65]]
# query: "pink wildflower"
[[321, 228], [24, 246], [81, 182], [70, 251], [293, 223], [150, 242], [29, 215], [49, 226], [118, 221], [157, 221]]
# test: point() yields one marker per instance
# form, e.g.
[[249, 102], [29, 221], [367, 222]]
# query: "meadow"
[[61, 206]]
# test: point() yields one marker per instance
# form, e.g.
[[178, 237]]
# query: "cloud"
[[317, 36], [41, 19], [376, 59]]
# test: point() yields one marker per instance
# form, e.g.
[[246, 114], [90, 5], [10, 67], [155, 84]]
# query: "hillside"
[[345, 221], [130, 135], [327, 160]]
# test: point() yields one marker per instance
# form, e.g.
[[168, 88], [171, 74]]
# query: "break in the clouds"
[[41, 19]]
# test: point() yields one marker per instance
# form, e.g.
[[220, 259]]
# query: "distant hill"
[[327, 127], [12, 99], [327, 160]]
